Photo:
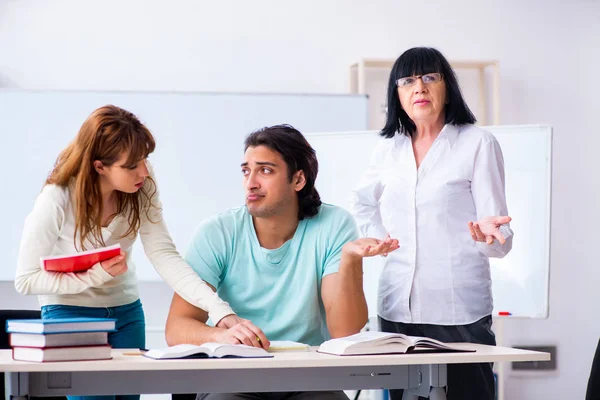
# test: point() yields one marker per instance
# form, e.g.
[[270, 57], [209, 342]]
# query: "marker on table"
[[504, 313]]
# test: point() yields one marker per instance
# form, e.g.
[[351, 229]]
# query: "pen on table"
[[504, 313], [139, 352]]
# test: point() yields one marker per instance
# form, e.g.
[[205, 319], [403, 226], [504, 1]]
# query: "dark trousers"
[[465, 381], [593, 388]]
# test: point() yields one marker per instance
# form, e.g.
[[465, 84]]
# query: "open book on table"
[[207, 350], [372, 342]]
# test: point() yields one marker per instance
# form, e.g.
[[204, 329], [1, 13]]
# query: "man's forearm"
[[180, 330], [348, 314]]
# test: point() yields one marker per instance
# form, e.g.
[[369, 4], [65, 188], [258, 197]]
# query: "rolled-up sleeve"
[[489, 195]]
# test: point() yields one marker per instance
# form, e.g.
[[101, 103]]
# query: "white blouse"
[[49, 230], [439, 275]]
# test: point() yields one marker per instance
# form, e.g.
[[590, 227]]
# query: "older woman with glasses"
[[436, 184]]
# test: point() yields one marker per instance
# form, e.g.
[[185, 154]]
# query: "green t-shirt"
[[279, 290]]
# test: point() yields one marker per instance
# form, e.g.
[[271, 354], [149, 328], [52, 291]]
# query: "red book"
[[70, 353], [81, 261]]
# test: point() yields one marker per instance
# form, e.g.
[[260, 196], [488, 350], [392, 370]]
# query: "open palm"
[[369, 247], [487, 229]]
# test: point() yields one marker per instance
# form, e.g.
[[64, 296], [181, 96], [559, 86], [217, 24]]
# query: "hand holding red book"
[[81, 261]]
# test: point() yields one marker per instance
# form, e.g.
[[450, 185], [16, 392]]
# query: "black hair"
[[298, 155], [420, 61]]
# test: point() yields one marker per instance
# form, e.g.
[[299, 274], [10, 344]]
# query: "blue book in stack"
[[64, 339]]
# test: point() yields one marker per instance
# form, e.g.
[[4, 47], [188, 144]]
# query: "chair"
[[183, 396], [593, 388], [4, 339]]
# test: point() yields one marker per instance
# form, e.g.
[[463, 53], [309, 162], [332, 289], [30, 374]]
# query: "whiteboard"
[[197, 159], [520, 281]]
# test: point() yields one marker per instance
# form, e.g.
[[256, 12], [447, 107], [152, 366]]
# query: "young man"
[[285, 261]]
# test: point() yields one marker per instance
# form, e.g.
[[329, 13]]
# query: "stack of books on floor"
[[65, 339]]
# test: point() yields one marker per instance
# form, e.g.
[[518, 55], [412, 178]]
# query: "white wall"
[[549, 55]]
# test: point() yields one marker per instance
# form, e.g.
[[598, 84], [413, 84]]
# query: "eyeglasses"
[[412, 80]]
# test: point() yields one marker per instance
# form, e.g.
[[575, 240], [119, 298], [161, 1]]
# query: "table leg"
[[427, 381], [16, 385], [437, 394]]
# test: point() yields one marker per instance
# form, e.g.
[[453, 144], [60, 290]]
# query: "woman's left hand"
[[487, 229]]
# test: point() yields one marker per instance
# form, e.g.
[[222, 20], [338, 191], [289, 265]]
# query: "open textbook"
[[207, 350], [372, 342]]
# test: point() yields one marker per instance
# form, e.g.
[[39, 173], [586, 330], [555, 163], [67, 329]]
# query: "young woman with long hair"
[[102, 192]]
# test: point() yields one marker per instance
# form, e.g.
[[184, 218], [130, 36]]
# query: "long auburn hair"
[[105, 135]]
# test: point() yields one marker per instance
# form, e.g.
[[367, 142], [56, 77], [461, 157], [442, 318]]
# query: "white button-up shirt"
[[439, 275]]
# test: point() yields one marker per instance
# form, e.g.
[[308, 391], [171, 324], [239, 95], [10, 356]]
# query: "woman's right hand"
[[115, 266]]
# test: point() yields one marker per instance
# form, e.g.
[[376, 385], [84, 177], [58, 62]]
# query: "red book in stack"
[[66, 339]]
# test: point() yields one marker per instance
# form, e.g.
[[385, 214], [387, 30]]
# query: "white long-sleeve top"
[[49, 230], [439, 275]]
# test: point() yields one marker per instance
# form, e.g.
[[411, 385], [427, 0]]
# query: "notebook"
[[81, 261], [287, 345]]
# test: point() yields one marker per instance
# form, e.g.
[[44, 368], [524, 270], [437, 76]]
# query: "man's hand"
[[235, 330], [229, 321], [487, 229], [369, 247]]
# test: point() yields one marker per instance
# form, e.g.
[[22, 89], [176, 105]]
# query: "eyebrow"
[[245, 164], [126, 165]]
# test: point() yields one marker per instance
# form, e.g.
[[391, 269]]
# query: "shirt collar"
[[449, 131]]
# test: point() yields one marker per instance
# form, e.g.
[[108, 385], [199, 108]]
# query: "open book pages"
[[287, 345], [372, 342], [207, 350]]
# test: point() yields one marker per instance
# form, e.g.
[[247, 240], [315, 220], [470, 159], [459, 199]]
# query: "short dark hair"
[[298, 155], [419, 61]]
